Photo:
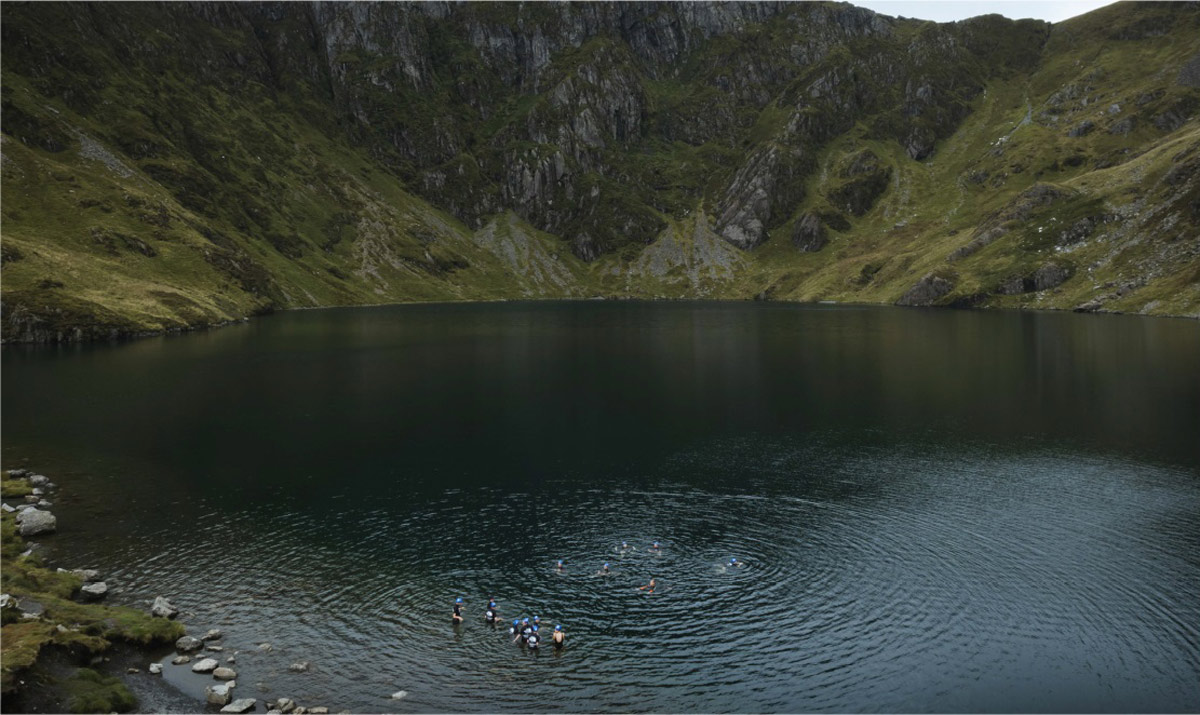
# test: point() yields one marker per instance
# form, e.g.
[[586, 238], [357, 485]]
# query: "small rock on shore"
[[163, 609], [242, 705], [34, 521], [218, 694], [94, 591]]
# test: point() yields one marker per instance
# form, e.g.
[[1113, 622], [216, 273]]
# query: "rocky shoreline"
[[60, 640]]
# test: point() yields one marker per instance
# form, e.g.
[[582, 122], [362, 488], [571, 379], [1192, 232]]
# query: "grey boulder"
[[35, 521], [94, 591], [241, 705], [163, 609], [206, 665], [218, 694], [188, 644], [224, 673]]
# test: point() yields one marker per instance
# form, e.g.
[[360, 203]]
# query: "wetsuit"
[[526, 631], [490, 616], [457, 613], [533, 641]]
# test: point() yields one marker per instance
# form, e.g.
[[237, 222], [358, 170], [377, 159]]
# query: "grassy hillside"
[[187, 165]]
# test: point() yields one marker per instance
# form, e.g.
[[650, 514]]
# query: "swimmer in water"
[[490, 614], [648, 586], [523, 632], [604, 570], [515, 630], [457, 617], [559, 638], [625, 547], [534, 638], [655, 547], [735, 564], [561, 566]]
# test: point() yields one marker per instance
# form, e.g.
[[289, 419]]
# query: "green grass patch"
[[15, 488], [91, 692]]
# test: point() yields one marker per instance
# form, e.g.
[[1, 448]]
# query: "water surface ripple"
[[333, 480]]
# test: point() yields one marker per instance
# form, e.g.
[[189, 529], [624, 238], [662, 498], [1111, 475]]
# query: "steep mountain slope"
[[175, 165]]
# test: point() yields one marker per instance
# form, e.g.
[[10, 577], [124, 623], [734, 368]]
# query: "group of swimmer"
[[522, 630], [526, 631]]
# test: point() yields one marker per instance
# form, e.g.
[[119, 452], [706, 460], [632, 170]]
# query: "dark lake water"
[[937, 510]]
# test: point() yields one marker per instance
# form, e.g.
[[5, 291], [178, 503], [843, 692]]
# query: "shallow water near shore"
[[938, 510]]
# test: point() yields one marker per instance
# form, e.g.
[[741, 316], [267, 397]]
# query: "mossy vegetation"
[[77, 628], [91, 692], [14, 488]]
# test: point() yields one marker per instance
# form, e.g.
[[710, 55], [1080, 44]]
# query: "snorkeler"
[[559, 638], [648, 586], [534, 638], [457, 617]]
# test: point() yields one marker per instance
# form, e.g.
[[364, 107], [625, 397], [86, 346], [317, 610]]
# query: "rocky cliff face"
[[217, 159]]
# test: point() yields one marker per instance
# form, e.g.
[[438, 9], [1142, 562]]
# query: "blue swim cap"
[[458, 600], [558, 628], [536, 619], [525, 620], [605, 564]]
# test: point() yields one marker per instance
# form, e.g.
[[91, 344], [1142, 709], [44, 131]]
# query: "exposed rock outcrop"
[[927, 291], [809, 233], [1050, 275]]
